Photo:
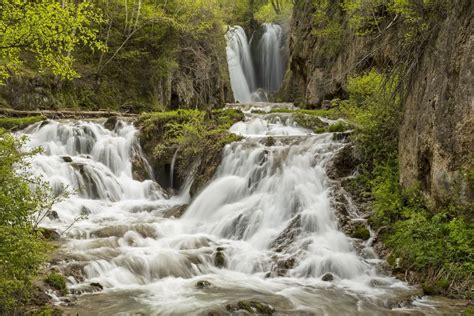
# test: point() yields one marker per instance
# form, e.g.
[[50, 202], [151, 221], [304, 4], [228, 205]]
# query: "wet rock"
[[269, 141], [49, 234], [219, 259], [252, 307], [110, 123], [343, 164], [203, 284], [328, 277], [287, 237], [76, 270], [85, 211], [97, 286], [38, 296], [176, 211], [66, 158], [53, 215]]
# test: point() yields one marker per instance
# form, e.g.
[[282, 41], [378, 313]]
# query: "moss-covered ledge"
[[195, 137]]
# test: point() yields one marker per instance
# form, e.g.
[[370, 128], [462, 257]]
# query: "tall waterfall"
[[253, 77], [271, 64], [262, 230], [241, 70]]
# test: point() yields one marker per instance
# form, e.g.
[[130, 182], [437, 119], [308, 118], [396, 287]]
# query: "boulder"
[[327, 277]]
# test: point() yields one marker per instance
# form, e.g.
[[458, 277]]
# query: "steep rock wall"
[[437, 131], [437, 128]]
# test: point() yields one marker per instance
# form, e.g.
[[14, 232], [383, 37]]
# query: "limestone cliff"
[[437, 127], [437, 131]]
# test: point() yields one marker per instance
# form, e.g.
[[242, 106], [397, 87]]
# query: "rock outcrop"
[[436, 147], [437, 126]]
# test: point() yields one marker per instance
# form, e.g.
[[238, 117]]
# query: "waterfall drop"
[[253, 77]]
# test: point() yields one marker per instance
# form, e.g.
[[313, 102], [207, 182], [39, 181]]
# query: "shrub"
[[23, 201]]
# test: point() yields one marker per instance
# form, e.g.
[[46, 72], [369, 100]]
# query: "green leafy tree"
[[24, 200], [46, 31]]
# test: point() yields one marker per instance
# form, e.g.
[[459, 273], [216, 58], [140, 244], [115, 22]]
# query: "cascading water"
[[241, 70], [253, 77], [271, 64], [262, 230]]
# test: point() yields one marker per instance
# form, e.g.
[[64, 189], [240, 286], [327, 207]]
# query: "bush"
[[23, 201], [57, 282]]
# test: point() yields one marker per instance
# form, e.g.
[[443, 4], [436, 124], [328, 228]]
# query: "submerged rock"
[[252, 307], [203, 284], [53, 215], [176, 211], [219, 259], [66, 158], [328, 277]]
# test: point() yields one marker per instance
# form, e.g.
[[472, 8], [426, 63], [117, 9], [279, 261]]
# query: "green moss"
[[15, 123], [57, 282], [333, 113], [437, 287], [360, 231], [469, 311]]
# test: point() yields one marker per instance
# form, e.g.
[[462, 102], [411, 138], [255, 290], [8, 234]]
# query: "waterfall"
[[244, 69], [271, 71], [241, 70], [263, 229]]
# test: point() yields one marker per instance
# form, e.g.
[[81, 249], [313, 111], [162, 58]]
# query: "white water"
[[267, 211], [241, 70], [242, 65], [271, 64]]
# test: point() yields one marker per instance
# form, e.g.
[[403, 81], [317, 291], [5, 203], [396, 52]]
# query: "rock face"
[[318, 69], [438, 115], [437, 127]]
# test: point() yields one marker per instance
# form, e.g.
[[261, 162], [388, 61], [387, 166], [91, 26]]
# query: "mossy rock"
[[360, 231], [57, 282]]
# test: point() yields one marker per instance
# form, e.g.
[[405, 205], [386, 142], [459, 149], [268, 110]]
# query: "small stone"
[[220, 249], [66, 158], [203, 284], [97, 286], [219, 259], [53, 215], [85, 211], [269, 141], [328, 277]]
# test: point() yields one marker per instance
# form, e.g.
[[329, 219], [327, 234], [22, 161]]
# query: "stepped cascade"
[[263, 229]]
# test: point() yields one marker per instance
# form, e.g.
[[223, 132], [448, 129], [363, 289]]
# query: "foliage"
[[332, 113], [23, 200], [276, 11], [375, 110], [13, 123], [49, 30], [57, 281], [436, 243], [327, 23]]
